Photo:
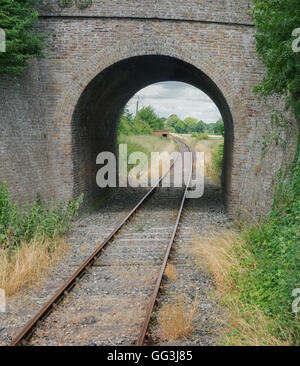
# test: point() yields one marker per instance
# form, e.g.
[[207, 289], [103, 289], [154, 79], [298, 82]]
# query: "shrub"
[[200, 136], [21, 225], [214, 169], [274, 246], [176, 318], [17, 19]]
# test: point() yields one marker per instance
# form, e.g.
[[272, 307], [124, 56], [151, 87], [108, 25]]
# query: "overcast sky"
[[173, 97]]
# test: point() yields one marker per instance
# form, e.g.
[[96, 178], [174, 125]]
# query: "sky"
[[172, 97]]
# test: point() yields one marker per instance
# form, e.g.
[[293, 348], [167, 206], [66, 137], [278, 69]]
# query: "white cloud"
[[172, 97]]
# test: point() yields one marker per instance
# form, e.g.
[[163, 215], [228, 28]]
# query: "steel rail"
[[143, 330], [24, 335]]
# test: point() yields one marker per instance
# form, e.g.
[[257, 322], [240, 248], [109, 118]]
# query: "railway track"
[[102, 264]]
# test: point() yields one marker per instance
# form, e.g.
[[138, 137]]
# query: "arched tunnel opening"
[[95, 118]]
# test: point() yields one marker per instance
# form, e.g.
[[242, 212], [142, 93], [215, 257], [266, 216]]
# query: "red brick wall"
[[165, 133]]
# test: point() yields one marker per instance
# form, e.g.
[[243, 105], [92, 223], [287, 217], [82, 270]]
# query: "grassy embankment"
[[31, 239], [257, 269]]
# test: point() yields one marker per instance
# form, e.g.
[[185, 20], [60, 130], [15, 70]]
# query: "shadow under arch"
[[95, 117]]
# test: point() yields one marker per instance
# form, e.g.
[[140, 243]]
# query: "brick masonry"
[[63, 110]]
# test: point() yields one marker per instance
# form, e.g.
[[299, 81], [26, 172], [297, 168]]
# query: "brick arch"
[[87, 70], [104, 59]]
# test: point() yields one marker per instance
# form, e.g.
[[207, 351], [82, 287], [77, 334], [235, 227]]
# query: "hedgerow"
[[21, 225]]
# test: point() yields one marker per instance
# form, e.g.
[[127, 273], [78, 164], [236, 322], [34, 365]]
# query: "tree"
[[201, 127], [210, 128], [17, 19], [191, 124], [171, 122], [125, 123], [219, 128], [275, 22], [180, 127], [148, 116], [132, 126]]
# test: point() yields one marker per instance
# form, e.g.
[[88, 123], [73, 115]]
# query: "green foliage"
[[35, 219], [181, 127], [171, 122], [275, 22], [200, 136], [217, 158], [148, 116], [219, 128], [145, 122], [201, 127], [272, 264], [215, 128], [191, 125], [214, 168], [17, 19]]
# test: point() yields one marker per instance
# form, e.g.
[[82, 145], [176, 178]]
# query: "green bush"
[[217, 158], [18, 19], [272, 269], [145, 122], [274, 23], [18, 225], [200, 136]]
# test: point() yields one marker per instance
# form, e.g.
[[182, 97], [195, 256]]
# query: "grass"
[[146, 144], [230, 262], [214, 167], [26, 265], [176, 319], [250, 326], [213, 155], [214, 253], [170, 272], [31, 239], [200, 136]]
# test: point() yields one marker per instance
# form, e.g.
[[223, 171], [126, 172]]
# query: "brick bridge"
[[63, 110]]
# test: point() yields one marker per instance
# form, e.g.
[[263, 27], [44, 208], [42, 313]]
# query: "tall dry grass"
[[176, 319], [246, 325], [208, 147], [170, 271], [26, 265], [148, 144], [249, 326], [214, 253]]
